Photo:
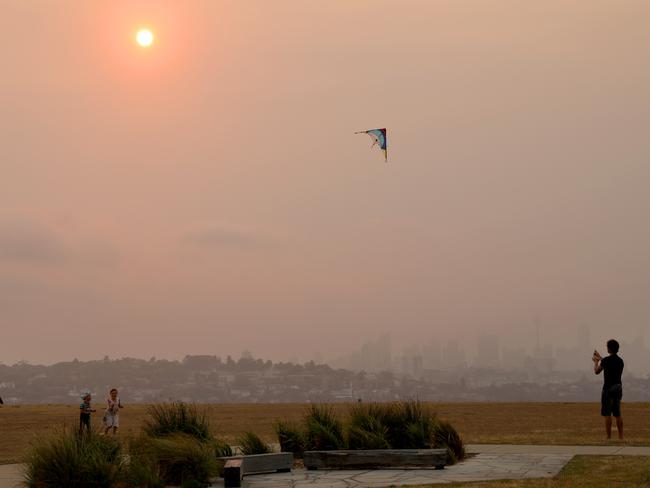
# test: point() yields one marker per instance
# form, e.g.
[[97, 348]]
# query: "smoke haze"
[[209, 195]]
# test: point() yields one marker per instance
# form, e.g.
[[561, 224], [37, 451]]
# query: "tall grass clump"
[[366, 429], [71, 459], [250, 443], [176, 459], [143, 470], [397, 425], [410, 424], [419, 422], [177, 447], [178, 417], [323, 430], [222, 449], [446, 436], [290, 437]]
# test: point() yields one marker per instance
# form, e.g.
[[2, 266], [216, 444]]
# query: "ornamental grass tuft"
[[72, 459], [323, 429], [290, 437], [250, 443], [178, 417]]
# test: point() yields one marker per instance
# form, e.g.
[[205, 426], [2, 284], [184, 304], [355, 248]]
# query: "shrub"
[[171, 418], [74, 460], [445, 436], [324, 430], [174, 459], [250, 443], [290, 437]]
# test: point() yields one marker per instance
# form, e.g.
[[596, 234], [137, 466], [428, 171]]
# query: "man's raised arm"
[[596, 359]]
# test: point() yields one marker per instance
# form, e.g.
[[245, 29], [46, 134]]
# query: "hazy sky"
[[208, 194]]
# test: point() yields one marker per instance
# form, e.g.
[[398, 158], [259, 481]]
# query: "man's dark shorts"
[[611, 401]]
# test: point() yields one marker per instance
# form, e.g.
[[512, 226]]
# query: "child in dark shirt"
[[84, 412]]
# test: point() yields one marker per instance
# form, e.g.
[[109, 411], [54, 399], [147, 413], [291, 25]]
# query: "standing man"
[[612, 365]]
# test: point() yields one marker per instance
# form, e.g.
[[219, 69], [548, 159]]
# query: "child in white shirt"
[[112, 413]]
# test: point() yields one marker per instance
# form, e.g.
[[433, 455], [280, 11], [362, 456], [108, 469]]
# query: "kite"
[[379, 138]]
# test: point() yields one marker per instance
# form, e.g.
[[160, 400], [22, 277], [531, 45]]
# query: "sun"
[[144, 37]]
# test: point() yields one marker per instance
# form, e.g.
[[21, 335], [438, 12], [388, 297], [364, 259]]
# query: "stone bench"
[[236, 467], [376, 458]]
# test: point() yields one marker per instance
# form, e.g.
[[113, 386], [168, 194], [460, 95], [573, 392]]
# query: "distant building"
[[488, 351], [411, 365], [376, 355], [513, 358], [201, 362], [432, 355], [453, 356]]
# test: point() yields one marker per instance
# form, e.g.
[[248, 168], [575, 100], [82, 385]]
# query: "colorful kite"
[[378, 138]]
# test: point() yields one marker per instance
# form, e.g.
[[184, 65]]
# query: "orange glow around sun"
[[144, 37]]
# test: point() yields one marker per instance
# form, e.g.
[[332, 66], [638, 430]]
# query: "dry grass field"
[[501, 423]]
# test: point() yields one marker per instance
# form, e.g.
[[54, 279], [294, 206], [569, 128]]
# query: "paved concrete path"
[[9, 475], [477, 468], [614, 450], [490, 462]]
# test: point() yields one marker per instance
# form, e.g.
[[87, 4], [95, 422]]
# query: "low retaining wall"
[[236, 467], [377, 458]]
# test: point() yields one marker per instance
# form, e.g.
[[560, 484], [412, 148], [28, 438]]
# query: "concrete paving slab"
[[476, 468], [561, 450], [634, 451], [10, 475]]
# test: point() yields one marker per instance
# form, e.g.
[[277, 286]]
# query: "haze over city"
[[206, 194]]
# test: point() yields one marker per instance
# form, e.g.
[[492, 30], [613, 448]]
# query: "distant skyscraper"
[[488, 351], [431, 355], [453, 356], [513, 358], [412, 365], [376, 355]]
